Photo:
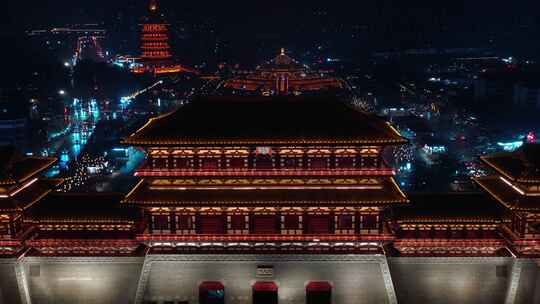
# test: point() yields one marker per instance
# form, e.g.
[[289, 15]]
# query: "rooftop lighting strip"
[[19, 190], [394, 129], [269, 188], [139, 184], [397, 187], [512, 185], [374, 172], [495, 166]]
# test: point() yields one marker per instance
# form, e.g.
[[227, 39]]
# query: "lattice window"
[[318, 163], [345, 222], [182, 163], [237, 163], [209, 163], [4, 229], [161, 223], [345, 162], [264, 162], [238, 223], [369, 222], [291, 163]]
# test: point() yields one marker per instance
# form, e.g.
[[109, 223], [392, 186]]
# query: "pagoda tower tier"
[[266, 170], [155, 45], [156, 51], [20, 188], [515, 184]]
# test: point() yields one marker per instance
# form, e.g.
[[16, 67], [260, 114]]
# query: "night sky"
[[279, 14], [381, 24]]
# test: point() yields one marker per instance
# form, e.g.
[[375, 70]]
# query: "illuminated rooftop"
[[522, 165], [386, 193], [266, 121]]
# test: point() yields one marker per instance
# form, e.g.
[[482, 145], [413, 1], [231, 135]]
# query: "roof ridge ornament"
[[153, 5]]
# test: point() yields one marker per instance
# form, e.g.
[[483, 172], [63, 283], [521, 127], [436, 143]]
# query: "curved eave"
[[140, 142], [443, 220], [354, 203], [506, 195], [83, 221], [141, 195], [29, 196], [506, 173], [47, 163]]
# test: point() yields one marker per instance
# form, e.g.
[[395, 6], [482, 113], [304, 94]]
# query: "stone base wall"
[[354, 278]]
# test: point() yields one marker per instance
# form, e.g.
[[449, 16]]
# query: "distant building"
[[283, 76], [527, 95], [508, 86], [14, 125], [493, 88]]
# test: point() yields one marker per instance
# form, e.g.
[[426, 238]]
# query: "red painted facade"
[[318, 195]]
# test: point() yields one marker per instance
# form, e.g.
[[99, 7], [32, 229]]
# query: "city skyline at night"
[[160, 152]]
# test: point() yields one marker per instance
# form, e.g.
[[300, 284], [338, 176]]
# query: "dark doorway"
[[318, 293], [211, 293], [265, 293]]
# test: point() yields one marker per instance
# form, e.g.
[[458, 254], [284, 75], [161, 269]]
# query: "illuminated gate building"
[[221, 176], [270, 200]]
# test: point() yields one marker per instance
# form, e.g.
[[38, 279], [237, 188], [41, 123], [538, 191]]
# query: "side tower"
[[516, 185], [21, 186], [248, 174]]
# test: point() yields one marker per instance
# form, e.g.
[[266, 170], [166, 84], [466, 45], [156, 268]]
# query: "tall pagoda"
[[156, 51], [281, 174]]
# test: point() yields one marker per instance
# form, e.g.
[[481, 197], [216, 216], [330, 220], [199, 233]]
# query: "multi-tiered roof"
[[231, 168], [20, 184], [244, 124], [20, 188], [517, 185]]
